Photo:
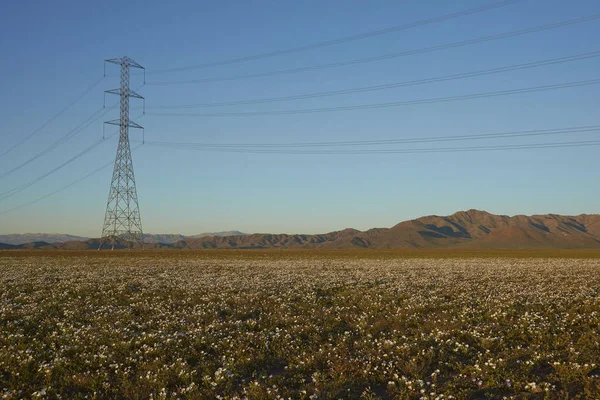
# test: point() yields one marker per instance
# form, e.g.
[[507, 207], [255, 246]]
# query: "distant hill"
[[224, 233], [465, 229], [167, 238], [471, 229], [162, 238], [173, 238], [39, 237], [4, 246]]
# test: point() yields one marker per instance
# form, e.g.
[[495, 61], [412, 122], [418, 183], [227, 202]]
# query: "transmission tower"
[[122, 219]]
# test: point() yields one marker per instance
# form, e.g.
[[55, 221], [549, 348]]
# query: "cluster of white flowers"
[[179, 325]]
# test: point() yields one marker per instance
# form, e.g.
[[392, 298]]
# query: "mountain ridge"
[[167, 238], [470, 229]]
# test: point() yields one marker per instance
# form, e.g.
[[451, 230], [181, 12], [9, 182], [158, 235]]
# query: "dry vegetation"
[[283, 325]]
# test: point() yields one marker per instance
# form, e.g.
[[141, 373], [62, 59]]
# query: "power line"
[[495, 135], [332, 42], [18, 189], [407, 151], [12, 192], [57, 191], [508, 68], [24, 186], [390, 104], [79, 128], [388, 56], [62, 188], [65, 109], [402, 151]]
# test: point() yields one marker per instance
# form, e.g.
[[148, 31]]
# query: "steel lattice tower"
[[122, 219]]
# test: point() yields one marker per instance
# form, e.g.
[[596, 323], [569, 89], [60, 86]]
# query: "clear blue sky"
[[53, 50]]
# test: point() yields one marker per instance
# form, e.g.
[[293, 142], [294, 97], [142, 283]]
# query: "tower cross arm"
[[118, 92], [113, 91], [134, 64], [134, 125], [130, 124], [122, 60], [113, 60], [134, 94], [113, 122]]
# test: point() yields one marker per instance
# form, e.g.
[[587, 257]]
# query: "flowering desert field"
[[277, 325]]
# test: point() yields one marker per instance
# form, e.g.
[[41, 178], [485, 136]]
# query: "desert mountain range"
[[465, 229], [168, 238]]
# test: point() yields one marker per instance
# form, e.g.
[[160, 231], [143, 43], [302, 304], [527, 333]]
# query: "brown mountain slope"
[[465, 229], [544, 231], [339, 239], [479, 229], [17, 239]]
